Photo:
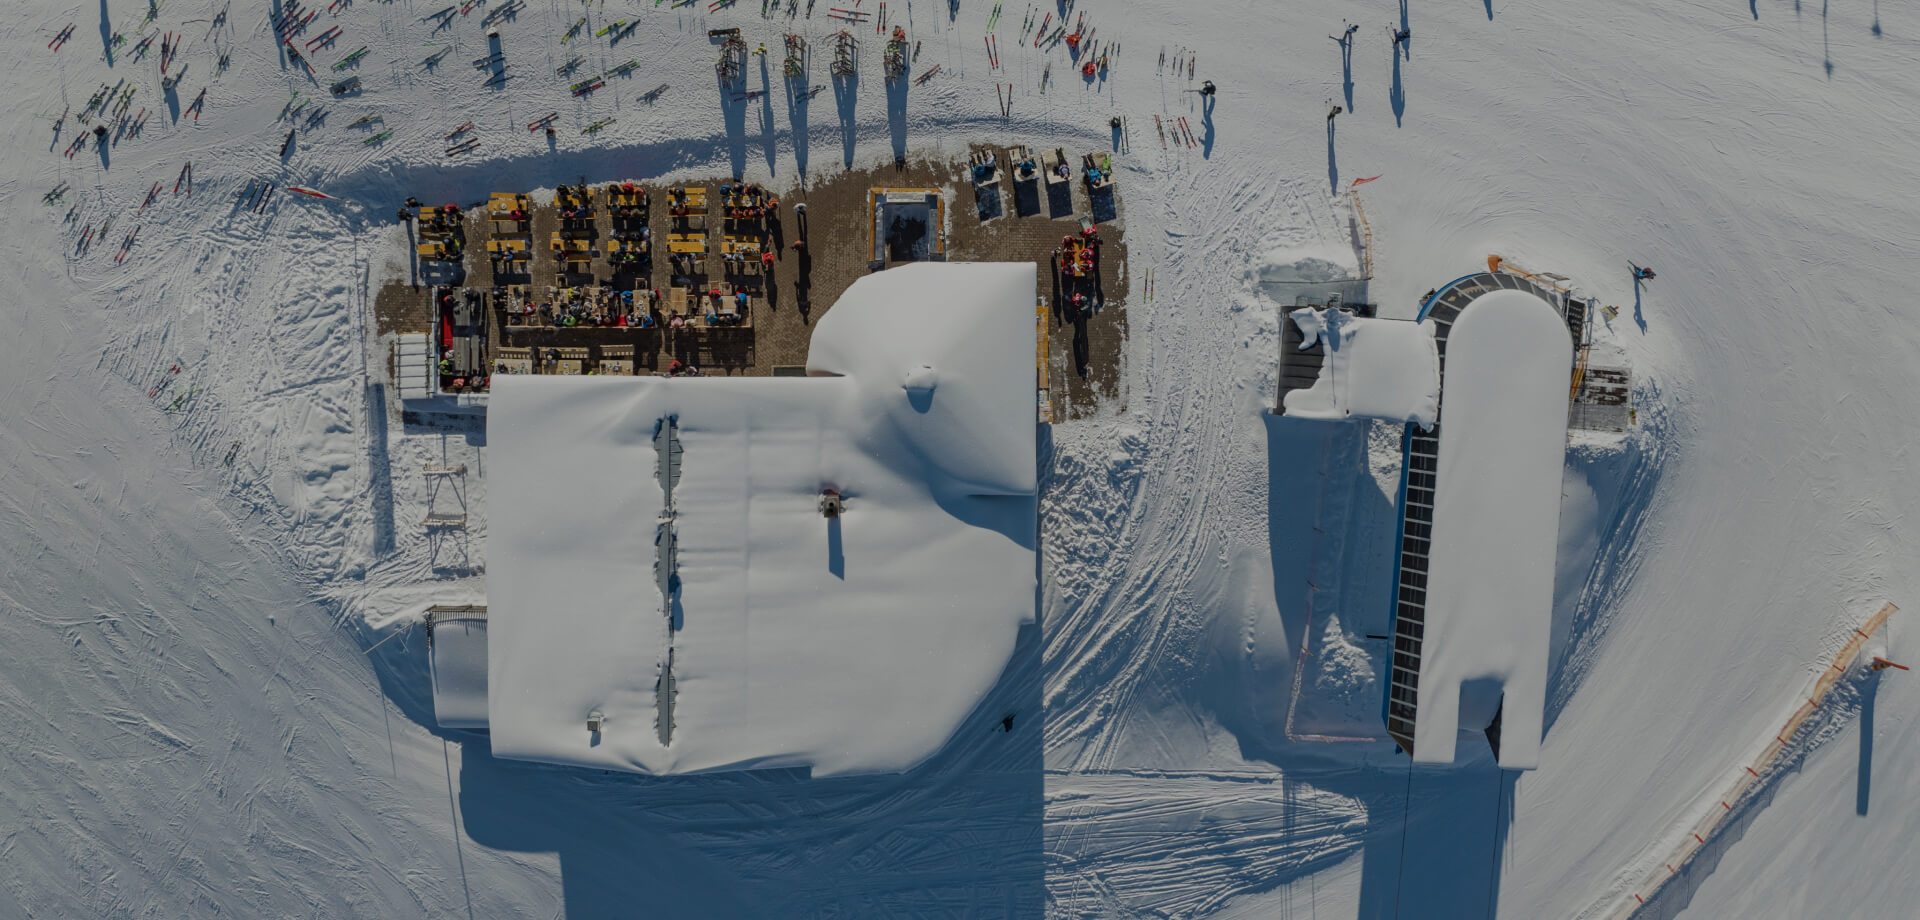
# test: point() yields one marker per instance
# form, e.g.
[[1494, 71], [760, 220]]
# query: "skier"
[[1402, 37], [1206, 87], [1642, 274], [1332, 112], [549, 131]]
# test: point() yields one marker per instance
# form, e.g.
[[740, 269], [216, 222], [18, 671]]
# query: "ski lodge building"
[[1482, 380], [704, 574]]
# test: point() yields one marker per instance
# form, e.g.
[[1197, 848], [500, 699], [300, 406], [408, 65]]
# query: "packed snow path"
[[193, 728]]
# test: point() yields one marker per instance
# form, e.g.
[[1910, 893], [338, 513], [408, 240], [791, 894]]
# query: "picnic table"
[[572, 246]]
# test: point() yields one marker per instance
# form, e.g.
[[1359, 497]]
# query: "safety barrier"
[[1744, 784]]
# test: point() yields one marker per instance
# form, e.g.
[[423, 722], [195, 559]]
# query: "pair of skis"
[[542, 121], [126, 246], [61, 39], [993, 54], [596, 126], [653, 95], [164, 383], [463, 147], [257, 195], [198, 102], [325, 39], [152, 193], [349, 60]]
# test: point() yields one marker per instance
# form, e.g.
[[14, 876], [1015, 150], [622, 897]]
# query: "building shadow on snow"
[[1436, 845], [961, 834]]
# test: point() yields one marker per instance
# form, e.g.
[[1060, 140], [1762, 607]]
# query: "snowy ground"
[[194, 724]]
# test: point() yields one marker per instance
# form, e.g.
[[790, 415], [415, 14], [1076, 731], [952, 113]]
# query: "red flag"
[[308, 191], [1356, 182]]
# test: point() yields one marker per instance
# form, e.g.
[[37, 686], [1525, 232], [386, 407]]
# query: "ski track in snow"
[[197, 722]]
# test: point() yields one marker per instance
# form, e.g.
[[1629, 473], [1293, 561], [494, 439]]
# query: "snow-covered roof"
[[850, 645], [1373, 368], [459, 668], [1496, 521]]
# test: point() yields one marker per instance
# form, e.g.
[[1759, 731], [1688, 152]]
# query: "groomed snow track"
[[1419, 479]]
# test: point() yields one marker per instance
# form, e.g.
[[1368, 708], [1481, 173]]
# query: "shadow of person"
[[1397, 94], [1346, 69], [1639, 318], [1333, 166], [1206, 127]]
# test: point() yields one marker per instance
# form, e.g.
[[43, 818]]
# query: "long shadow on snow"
[[1436, 835], [897, 117], [846, 96], [961, 833], [735, 114], [769, 139], [1436, 840]]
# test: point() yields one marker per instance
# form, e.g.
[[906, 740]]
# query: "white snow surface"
[[198, 722], [855, 645], [1374, 368], [1496, 524]]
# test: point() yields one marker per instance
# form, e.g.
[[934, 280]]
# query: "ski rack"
[[846, 53], [795, 66], [733, 58], [895, 61]]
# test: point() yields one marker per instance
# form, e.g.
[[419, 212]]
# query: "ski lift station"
[[1481, 379], [703, 574]]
